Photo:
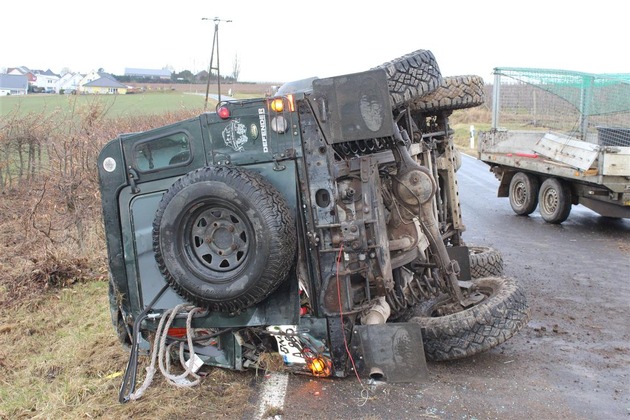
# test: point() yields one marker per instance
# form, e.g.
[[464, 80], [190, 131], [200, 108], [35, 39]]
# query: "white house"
[[45, 80], [69, 82], [13, 84], [90, 77]]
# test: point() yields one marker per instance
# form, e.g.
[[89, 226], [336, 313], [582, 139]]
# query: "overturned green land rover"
[[321, 223]]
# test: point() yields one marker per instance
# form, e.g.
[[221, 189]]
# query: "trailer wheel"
[[485, 262], [412, 75], [554, 201], [524, 193], [449, 336], [224, 238]]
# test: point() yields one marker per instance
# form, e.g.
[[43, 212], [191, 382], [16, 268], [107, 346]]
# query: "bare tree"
[[236, 69]]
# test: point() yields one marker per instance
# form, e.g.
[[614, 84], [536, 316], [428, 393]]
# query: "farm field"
[[157, 99]]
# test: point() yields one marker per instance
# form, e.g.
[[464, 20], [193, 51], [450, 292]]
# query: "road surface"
[[571, 361]]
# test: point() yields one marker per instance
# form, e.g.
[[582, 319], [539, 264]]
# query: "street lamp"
[[215, 45]]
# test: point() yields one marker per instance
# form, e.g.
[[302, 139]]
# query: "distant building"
[[101, 83], [148, 73], [69, 82], [13, 84], [45, 81], [39, 80]]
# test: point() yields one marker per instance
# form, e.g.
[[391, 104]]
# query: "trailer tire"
[[554, 201], [224, 238], [485, 262], [524, 193], [492, 321], [412, 75], [455, 92]]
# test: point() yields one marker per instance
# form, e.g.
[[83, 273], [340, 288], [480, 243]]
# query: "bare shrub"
[[51, 230], [479, 114]]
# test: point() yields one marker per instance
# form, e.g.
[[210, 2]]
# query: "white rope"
[[160, 352]]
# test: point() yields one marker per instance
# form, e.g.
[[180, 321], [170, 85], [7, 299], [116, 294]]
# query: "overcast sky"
[[279, 40]]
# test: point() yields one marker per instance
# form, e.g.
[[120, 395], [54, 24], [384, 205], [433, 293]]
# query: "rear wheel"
[[450, 333], [524, 193], [554, 201]]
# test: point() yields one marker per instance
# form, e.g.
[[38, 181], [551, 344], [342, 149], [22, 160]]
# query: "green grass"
[[116, 105]]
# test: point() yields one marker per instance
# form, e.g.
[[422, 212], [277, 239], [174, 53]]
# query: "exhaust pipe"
[[378, 313]]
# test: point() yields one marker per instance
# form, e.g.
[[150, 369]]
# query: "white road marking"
[[272, 395]]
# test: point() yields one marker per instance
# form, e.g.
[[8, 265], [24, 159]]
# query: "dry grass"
[[61, 359], [480, 117], [59, 356]]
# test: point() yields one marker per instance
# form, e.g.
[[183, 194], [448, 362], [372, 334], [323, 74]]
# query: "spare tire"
[[224, 238], [412, 75]]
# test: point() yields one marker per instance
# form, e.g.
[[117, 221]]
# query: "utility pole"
[[215, 45]]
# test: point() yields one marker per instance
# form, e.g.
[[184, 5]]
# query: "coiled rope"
[[160, 353]]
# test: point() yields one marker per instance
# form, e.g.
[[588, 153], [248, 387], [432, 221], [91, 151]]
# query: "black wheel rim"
[[219, 239]]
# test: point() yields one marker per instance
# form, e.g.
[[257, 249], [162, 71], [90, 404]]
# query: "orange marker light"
[[177, 332], [277, 105], [291, 103], [319, 366]]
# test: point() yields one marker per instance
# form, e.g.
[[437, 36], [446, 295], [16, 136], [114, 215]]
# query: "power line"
[[215, 45]]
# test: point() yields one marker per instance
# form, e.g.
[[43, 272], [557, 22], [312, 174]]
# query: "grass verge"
[[59, 358]]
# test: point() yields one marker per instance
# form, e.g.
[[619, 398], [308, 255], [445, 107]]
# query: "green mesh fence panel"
[[592, 107]]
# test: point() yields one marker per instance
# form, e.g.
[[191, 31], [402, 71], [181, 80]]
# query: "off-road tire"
[[412, 75], [224, 238], [554, 201], [455, 92], [485, 262], [477, 329], [524, 193]]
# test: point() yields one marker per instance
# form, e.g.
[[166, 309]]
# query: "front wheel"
[[449, 334]]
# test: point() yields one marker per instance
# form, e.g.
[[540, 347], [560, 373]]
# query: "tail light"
[[319, 366], [223, 112], [284, 103], [279, 105]]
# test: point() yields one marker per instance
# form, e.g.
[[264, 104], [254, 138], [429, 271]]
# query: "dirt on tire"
[[476, 329]]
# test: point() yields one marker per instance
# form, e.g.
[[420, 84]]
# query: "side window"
[[162, 152]]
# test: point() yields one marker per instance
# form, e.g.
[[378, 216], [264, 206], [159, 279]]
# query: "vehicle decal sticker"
[[235, 135], [263, 129]]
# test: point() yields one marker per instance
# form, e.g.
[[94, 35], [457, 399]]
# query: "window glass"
[[162, 152]]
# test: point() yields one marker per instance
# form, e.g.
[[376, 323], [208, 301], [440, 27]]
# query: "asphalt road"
[[572, 361]]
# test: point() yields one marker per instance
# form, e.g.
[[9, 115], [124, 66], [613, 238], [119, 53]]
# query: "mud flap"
[[390, 352]]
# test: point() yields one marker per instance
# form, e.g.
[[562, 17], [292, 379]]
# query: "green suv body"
[[322, 223]]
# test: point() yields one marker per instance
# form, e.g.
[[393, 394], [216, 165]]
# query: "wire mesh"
[[591, 107]]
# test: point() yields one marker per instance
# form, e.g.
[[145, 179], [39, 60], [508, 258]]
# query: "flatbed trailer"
[[555, 171]]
